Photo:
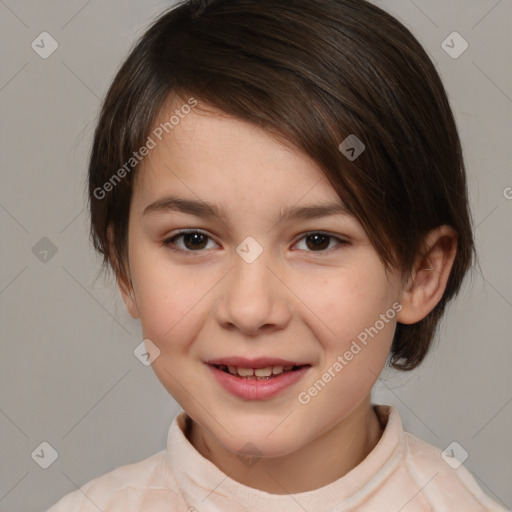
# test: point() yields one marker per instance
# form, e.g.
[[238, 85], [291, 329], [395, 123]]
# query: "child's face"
[[304, 300]]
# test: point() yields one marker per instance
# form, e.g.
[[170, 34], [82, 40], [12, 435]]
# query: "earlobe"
[[429, 276]]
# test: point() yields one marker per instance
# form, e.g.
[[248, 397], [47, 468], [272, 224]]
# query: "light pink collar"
[[206, 487]]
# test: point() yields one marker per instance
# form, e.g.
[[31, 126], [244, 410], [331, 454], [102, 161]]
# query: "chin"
[[258, 442]]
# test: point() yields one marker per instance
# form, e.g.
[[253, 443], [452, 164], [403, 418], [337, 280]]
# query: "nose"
[[253, 298]]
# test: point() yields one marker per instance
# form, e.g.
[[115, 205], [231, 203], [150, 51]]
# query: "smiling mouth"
[[267, 373]]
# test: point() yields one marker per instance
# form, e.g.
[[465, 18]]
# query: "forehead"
[[204, 153]]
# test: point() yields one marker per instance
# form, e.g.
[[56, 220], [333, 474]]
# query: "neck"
[[322, 461]]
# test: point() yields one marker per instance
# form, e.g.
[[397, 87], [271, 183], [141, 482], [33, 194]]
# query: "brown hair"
[[311, 72]]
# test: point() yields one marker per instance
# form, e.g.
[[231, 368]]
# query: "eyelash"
[[169, 242]]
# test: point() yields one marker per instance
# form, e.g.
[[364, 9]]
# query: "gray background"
[[67, 372]]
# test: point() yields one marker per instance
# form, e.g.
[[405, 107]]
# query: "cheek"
[[169, 302], [348, 306], [170, 298], [158, 287], [356, 327]]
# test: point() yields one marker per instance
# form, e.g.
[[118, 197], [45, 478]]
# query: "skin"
[[294, 301]]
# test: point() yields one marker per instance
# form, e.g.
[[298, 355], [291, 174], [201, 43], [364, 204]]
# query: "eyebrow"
[[206, 209]]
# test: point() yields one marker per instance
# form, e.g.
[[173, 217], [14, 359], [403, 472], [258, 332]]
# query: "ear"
[[427, 282], [124, 282]]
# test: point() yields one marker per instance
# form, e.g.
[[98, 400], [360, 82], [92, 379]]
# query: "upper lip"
[[258, 362]]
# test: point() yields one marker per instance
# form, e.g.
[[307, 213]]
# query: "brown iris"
[[319, 241], [196, 240]]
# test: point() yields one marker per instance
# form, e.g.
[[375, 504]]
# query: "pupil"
[[320, 241], [194, 239]]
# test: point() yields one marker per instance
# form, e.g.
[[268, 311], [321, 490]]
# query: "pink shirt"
[[402, 473]]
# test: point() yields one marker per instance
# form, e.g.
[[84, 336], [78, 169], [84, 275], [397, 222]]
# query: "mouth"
[[256, 379], [262, 373]]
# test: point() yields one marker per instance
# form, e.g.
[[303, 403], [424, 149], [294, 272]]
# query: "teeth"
[[266, 372], [276, 370], [263, 372], [257, 372], [245, 372]]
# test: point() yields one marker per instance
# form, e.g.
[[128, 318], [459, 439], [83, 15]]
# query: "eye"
[[196, 241], [192, 241], [318, 241]]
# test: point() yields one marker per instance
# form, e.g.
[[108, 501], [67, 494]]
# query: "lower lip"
[[257, 389]]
